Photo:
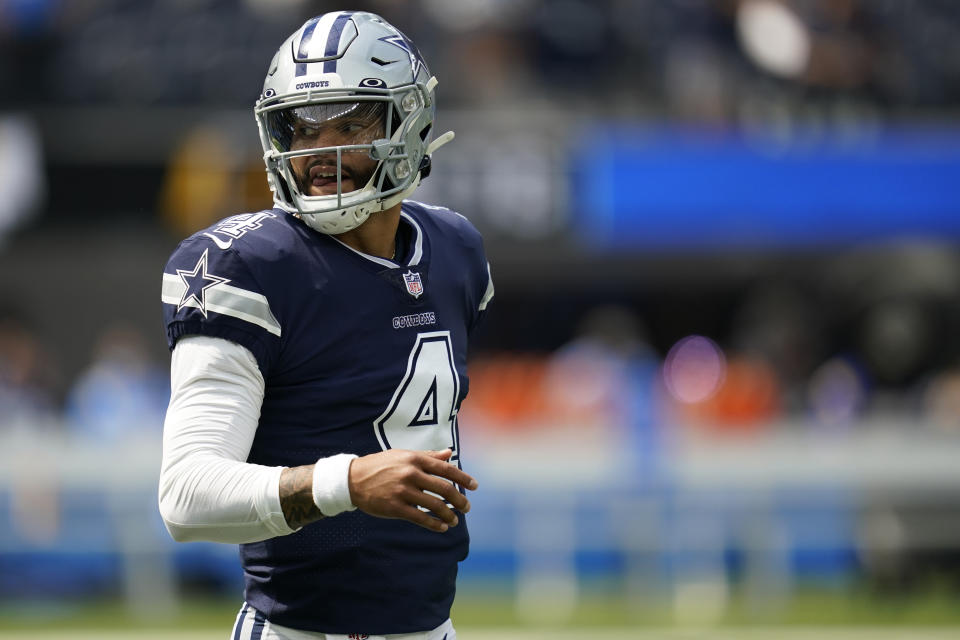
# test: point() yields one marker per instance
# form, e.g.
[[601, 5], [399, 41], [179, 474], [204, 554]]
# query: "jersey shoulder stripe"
[[223, 299]]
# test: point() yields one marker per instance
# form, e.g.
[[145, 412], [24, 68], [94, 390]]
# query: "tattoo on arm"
[[296, 496]]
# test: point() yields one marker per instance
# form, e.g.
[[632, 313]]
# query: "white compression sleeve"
[[207, 489]]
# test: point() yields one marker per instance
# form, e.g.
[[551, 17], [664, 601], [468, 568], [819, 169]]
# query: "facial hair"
[[359, 178]]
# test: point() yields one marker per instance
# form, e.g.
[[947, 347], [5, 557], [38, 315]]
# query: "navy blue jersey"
[[359, 354]]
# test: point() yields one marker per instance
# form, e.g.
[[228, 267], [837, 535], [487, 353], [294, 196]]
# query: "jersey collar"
[[415, 255]]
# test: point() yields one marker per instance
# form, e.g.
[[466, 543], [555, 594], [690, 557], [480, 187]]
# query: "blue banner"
[[675, 189]]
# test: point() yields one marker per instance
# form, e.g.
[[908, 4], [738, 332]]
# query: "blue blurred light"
[[674, 188]]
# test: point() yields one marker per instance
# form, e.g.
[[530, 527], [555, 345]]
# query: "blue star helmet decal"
[[197, 282], [402, 41]]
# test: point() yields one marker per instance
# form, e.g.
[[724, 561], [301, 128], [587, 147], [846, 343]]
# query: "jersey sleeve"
[[485, 298], [482, 277], [213, 292], [207, 490]]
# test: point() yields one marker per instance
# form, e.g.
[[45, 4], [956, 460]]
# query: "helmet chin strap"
[[396, 198]]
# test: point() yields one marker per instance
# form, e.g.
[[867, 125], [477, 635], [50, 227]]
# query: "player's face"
[[353, 124]]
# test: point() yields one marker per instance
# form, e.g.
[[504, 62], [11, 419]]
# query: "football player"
[[319, 353]]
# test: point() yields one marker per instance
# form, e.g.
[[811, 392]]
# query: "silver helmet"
[[356, 66]]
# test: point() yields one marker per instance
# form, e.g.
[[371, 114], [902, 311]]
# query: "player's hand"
[[393, 483]]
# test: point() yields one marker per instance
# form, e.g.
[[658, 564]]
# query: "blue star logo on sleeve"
[[197, 282]]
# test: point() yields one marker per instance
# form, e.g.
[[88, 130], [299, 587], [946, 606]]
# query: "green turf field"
[[482, 616]]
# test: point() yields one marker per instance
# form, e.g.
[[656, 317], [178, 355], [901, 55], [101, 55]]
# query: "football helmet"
[[338, 67]]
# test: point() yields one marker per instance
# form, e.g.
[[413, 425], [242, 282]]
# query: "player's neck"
[[377, 236]]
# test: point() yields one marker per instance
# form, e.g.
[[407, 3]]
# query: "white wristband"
[[331, 489]]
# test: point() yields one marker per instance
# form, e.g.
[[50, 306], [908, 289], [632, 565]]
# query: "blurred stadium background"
[[720, 386]]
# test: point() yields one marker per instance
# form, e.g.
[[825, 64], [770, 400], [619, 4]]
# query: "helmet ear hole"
[[426, 164]]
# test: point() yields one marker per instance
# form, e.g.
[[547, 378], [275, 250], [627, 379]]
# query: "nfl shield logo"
[[414, 285]]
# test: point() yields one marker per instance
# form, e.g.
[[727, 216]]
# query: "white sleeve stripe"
[[488, 295], [226, 299]]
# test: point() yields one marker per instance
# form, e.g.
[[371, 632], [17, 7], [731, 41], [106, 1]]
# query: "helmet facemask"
[[340, 66], [320, 141]]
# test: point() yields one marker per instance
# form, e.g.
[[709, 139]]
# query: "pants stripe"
[[251, 624], [238, 625], [258, 621]]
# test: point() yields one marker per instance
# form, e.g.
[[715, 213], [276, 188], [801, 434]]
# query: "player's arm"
[[207, 489], [209, 492]]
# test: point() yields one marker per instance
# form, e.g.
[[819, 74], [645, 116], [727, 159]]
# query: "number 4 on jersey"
[[422, 414]]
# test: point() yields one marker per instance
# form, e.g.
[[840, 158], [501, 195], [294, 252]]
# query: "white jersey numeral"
[[422, 414]]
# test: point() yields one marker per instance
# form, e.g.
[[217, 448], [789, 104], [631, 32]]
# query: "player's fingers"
[[437, 506], [446, 491], [442, 454], [450, 472], [422, 518]]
